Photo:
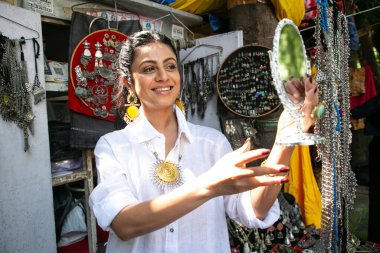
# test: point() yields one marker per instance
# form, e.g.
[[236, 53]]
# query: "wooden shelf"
[[70, 178], [56, 87]]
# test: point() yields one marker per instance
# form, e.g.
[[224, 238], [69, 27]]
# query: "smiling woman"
[[163, 177]]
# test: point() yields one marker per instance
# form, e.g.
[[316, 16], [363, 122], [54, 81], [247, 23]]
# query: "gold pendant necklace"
[[166, 174]]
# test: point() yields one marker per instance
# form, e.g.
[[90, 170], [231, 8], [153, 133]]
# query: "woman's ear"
[[125, 82]]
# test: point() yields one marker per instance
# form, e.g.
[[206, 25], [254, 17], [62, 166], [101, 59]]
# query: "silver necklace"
[[15, 103], [338, 180]]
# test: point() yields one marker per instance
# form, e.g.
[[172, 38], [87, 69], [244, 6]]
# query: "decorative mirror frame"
[[274, 63], [300, 138]]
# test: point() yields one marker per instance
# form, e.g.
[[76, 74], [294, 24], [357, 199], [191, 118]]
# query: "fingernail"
[[311, 79], [247, 140], [284, 180], [315, 89], [265, 152], [284, 169]]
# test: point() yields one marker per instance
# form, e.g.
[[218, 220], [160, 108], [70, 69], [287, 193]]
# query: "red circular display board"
[[93, 73]]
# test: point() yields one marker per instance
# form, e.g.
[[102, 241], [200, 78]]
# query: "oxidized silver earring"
[[106, 40], [86, 56], [98, 55]]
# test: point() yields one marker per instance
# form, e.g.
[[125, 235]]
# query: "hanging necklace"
[[166, 174]]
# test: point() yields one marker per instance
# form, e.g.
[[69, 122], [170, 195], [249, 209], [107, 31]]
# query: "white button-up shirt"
[[125, 163]]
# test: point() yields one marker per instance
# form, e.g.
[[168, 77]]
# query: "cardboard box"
[[56, 71]]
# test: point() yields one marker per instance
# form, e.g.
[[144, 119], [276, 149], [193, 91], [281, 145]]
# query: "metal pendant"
[[167, 175], [39, 93]]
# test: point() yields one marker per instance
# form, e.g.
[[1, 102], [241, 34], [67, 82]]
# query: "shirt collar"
[[143, 131]]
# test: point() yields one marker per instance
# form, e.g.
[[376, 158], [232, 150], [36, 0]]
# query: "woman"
[[165, 184]]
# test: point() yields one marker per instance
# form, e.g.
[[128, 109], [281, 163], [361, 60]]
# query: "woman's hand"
[[304, 92], [231, 175]]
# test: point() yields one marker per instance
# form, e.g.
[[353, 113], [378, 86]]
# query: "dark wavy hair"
[[126, 58]]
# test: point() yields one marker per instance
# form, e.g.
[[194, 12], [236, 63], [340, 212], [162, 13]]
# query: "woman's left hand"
[[311, 101], [304, 92]]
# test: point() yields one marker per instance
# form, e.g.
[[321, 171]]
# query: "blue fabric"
[[164, 2], [323, 13], [353, 33], [216, 23]]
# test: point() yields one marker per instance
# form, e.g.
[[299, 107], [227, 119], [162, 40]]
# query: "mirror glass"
[[291, 57], [288, 60]]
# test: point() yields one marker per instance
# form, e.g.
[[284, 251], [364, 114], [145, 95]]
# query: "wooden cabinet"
[[86, 175], [56, 38]]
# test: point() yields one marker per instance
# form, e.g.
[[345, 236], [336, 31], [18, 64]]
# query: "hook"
[[175, 17], [92, 22], [202, 45], [31, 29]]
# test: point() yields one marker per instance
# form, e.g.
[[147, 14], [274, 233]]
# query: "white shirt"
[[124, 165]]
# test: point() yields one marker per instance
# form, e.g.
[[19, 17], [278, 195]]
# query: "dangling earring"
[[98, 55], [131, 111], [180, 105]]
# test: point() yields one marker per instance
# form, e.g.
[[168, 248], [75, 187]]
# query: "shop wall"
[[26, 203]]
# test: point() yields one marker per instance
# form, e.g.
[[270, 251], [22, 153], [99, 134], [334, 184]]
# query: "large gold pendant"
[[167, 175]]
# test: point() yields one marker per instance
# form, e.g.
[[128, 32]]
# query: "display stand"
[[86, 174]]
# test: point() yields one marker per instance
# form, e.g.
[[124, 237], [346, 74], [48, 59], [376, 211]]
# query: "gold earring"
[[131, 111], [180, 105]]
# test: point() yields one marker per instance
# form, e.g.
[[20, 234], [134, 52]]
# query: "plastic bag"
[[74, 227]]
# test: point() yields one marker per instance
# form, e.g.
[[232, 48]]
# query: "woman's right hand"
[[231, 175]]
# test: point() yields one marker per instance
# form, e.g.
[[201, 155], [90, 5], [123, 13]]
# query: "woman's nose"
[[162, 75]]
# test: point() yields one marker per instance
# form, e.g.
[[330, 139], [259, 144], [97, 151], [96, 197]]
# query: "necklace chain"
[[338, 180]]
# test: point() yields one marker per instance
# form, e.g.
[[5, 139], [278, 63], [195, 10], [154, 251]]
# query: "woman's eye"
[[171, 67], [149, 69]]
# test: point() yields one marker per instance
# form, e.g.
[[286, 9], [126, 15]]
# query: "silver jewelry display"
[[94, 71], [15, 104], [198, 84], [338, 181], [244, 83]]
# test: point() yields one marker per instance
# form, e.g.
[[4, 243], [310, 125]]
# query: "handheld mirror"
[[288, 60]]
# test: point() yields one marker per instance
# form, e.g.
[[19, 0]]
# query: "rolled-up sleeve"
[[109, 197], [239, 208]]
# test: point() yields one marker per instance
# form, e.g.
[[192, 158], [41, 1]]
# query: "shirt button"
[[172, 230]]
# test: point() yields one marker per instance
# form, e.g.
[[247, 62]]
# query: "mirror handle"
[[270, 54]]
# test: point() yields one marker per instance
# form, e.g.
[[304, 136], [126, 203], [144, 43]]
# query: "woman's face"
[[156, 76]]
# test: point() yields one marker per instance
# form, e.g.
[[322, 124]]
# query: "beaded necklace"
[[338, 180]]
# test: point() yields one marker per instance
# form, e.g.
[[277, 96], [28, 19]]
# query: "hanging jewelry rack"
[[349, 15], [179, 21], [202, 45], [31, 29], [198, 83]]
